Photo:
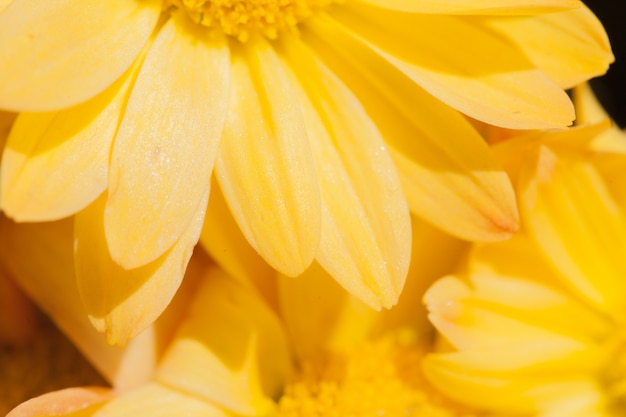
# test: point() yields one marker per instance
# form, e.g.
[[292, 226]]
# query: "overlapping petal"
[[60, 53], [499, 7]]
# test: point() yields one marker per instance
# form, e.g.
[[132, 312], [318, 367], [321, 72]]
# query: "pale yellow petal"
[[55, 164], [464, 64], [365, 242], [476, 7], [55, 54], [164, 152], [571, 47], [70, 401], [570, 213], [264, 167], [4, 4], [231, 350], [39, 258], [449, 175], [123, 302]]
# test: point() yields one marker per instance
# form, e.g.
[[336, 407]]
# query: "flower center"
[[381, 378], [241, 18]]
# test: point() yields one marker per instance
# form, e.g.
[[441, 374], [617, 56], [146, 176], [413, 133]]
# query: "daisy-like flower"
[[536, 325], [129, 106]]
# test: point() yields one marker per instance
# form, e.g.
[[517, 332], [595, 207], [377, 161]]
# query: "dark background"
[[611, 88]]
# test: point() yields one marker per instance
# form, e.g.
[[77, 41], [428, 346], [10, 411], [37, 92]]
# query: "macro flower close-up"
[[323, 123]]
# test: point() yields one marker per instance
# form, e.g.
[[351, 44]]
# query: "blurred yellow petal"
[[70, 401], [163, 155], [264, 166], [577, 224], [571, 47], [476, 7], [449, 175], [120, 302], [231, 349], [488, 78], [365, 242], [55, 164], [4, 4], [56, 54]]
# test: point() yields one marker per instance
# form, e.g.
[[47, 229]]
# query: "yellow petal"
[[264, 167], [571, 47], [449, 175], [120, 302], [72, 401], [476, 7], [39, 258], [231, 350], [570, 213], [55, 164], [464, 64], [365, 242], [60, 53], [4, 4], [163, 155]]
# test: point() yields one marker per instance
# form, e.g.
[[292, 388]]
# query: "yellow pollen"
[[382, 378], [241, 18]]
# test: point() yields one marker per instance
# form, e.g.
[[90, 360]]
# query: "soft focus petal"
[[476, 7], [122, 303], [264, 166], [365, 242], [450, 177], [70, 401], [464, 64], [4, 4], [55, 164], [55, 54], [571, 47], [163, 155], [231, 349]]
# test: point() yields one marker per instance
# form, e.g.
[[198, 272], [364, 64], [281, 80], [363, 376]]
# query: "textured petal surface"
[[55, 164], [164, 152], [59, 53], [264, 167], [64, 402], [231, 350], [366, 241], [464, 64], [120, 302], [449, 175], [476, 7]]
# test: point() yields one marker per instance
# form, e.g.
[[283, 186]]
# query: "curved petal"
[[59, 53], [231, 350], [55, 164], [499, 7], [164, 152], [120, 302], [450, 177], [464, 64], [571, 47], [264, 167], [366, 229], [63, 402]]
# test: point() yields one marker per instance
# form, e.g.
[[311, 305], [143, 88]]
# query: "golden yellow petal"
[[39, 258], [55, 54], [164, 152], [231, 350], [503, 7], [55, 164], [365, 242], [123, 302], [264, 166], [571, 47], [70, 401], [464, 64], [449, 175]]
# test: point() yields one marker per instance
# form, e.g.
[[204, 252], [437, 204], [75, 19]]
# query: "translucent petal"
[[70, 401], [231, 350], [55, 54], [264, 167], [365, 242], [164, 152], [120, 302], [449, 175], [464, 64], [476, 7]]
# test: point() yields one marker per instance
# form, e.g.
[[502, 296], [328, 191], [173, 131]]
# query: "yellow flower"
[[128, 107], [536, 324]]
